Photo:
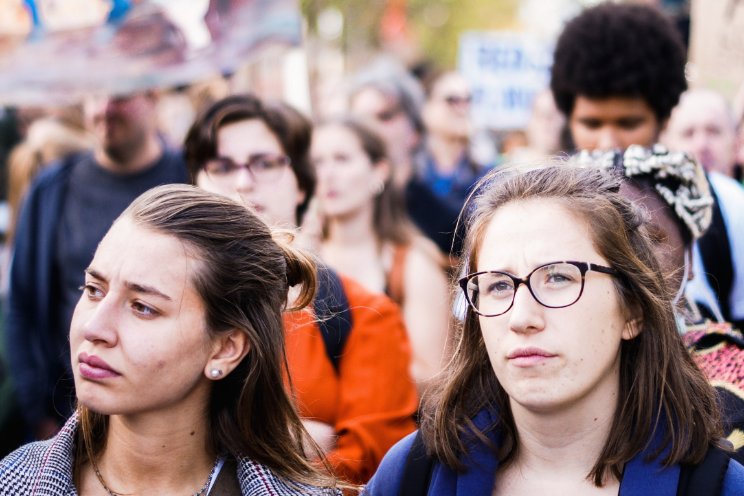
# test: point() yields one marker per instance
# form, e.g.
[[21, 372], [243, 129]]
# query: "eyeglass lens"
[[554, 285], [263, 167]]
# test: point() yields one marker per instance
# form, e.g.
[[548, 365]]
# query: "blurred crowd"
[[381, 194]]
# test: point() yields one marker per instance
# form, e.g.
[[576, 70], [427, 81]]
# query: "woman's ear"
[[632, 328], [383, 170], [228, 350]]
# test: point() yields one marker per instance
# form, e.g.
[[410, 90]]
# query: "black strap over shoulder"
[[418, 469], [705, 478], [333, 313]]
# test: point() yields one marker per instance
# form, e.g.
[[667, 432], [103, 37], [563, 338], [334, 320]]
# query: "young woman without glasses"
[[178, 356], [569, 376], [367, 235]]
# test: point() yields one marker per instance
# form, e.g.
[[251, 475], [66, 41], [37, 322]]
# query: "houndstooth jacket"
[[45, 468]]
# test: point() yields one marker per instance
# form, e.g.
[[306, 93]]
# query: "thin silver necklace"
[[201, 491]]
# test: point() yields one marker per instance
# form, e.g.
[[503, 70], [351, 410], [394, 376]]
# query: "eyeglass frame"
[[583, 267], [248, 165]]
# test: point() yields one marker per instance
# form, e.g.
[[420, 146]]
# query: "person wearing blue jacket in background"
[[568, 374]]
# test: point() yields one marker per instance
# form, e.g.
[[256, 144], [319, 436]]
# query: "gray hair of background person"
[[394, 81]]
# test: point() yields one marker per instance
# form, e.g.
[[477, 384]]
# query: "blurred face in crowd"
[[702, 125], [612, 123], [252, 168], [122, 125], [138, 336], [447, 111], [666, 237], [545, 125], [348, 181], [550, 359], [391, 120]]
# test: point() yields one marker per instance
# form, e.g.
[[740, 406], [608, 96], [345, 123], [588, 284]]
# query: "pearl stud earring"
[[215, 373]]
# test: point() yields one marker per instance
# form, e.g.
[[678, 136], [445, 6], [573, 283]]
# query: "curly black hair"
[[620, 50]]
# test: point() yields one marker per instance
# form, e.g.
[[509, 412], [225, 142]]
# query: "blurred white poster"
[[717, 44], [505, 71], [55, 51]]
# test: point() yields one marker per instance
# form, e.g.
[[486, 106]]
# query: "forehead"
[[661, 215], [243, 138], [134, 253], [612, 108], [369, 100], [702, 108], [448, 84], [525, 233]]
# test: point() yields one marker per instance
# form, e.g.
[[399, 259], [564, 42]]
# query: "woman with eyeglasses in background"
[[569, 376], [367, 235], [348, 358]]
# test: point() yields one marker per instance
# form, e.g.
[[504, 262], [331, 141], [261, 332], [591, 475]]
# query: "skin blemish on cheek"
[[192, 433], [160, 365]]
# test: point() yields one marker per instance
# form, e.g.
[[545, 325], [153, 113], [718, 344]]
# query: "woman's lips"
[[528, 357], [93, 367]]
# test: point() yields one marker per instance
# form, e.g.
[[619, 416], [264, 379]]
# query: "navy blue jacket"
[[35, 339], [639, 478]]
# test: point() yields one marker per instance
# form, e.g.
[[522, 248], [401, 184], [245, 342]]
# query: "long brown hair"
[[661, 389], [244, 274]]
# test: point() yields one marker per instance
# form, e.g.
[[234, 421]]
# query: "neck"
[[353, 229], [156, 454], [137, 162], [565, 441], [447, 151]]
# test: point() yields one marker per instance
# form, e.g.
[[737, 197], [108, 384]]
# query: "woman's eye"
[[144, 310], [91, 291]]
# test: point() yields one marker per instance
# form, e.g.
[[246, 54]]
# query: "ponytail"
[[301, 268]]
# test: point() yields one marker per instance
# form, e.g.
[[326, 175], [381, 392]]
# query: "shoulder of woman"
[[733, 481], [258, 479], [41, 464], [389, 474]]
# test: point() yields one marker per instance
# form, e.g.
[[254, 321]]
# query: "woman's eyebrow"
[[145, 289]]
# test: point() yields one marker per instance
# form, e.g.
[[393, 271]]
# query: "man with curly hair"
[[618, 71]]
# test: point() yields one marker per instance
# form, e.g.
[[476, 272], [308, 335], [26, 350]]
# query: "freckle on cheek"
[[161, 364]]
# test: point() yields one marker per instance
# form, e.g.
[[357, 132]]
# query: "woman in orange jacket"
[[353, 387]]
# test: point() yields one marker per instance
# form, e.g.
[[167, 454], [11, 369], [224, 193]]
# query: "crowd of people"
[[282, 306]]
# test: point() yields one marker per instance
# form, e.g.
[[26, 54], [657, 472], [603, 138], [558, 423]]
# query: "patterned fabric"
[[44, 468], [719, 352], [677, 177]]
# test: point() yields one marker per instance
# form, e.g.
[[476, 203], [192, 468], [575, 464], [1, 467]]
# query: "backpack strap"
[[333, 313], [418, 469], [705, 477]]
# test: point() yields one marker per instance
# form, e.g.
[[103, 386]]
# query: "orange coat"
[[372, 399]]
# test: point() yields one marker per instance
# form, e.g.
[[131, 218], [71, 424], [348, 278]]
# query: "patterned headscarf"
[[676, 176]]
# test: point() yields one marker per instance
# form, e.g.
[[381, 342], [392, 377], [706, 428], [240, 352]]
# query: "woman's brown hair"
[[661, 390], [244, 274]]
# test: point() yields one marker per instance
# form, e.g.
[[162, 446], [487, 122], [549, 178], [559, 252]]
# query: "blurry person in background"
[[618, 71], [703, 125], [47, 139], [445, 164], [68, 209], [367, 235], [388, 96], [544, 130], [674, 193], [354, 393]]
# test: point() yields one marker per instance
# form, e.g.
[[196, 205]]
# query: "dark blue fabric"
[[37, 340], [639, 479]]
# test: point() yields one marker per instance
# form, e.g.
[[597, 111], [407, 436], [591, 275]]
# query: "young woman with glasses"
[[569, 376], [359, 402], [367, 235]]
